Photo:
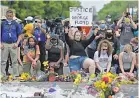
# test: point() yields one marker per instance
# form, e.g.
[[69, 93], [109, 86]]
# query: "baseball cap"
[[29, 18]]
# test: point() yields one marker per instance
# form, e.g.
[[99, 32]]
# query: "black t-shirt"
[[115, 44], [54, 54], [77, 48]]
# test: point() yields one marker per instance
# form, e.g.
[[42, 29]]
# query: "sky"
[[97, 3]]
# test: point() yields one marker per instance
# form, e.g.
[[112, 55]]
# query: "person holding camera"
[[127, 28], [40, 35]]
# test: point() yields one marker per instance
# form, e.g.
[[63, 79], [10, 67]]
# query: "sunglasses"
[[37, 22], [105, 49]]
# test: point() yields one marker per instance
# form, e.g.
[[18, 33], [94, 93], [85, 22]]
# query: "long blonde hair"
[[110, 48], [128, 48]]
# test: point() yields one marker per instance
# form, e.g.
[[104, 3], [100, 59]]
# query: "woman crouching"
[[103, 56], [31, 63], [78, 58]]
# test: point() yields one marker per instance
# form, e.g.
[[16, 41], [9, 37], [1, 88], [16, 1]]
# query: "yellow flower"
[[25, 76], [102, 95], [45, 63], [118, 84], [92, 76], [97, 84], [110, 80], [77, 80], [103, 85], [10, 78]]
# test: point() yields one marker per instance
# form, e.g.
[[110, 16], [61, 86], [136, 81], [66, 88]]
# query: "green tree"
[[50, 9], [59, 8], [115, 9]]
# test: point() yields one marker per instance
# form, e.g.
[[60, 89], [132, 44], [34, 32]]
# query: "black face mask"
[[54, 42], [109, 35]]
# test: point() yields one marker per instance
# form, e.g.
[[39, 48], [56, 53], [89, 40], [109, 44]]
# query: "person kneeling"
[[103, 56], [54, 47], [31, 63]]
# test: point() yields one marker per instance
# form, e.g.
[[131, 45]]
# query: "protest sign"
[[80, 16]]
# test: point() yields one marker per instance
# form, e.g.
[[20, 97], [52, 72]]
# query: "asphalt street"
[[128, 90]]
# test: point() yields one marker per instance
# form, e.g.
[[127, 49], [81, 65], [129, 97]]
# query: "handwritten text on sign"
[[80, 16]]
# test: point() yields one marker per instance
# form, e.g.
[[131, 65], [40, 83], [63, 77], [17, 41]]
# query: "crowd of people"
[[108, 45]]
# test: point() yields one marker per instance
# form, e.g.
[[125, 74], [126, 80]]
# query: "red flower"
[[105, 79], [73, 72]]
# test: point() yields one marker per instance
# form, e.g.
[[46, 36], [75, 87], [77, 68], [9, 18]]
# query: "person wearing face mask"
[[92, 47], [101, 32], [116, 48], [10, 31], [135, 45], [31, 63], [103, 56], [126, 30], [108, 21], [55, 49], [127, 60], [78, 58], [40, 35]]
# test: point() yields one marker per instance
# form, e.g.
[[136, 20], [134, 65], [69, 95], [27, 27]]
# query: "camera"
[[127, 14]]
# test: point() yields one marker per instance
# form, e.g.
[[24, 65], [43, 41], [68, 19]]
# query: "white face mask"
[[103, 51], [77, 38], [9, 21], [109, 20], [36, 25]]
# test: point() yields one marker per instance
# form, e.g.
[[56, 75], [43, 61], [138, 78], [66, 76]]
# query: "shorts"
[[76, 64]]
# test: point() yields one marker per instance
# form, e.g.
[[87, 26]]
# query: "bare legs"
[[89, 63]]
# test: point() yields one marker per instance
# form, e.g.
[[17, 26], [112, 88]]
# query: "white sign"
[[80, 16]]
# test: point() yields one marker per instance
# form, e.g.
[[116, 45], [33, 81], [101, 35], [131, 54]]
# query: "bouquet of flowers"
[[102, 84], [127, 79]]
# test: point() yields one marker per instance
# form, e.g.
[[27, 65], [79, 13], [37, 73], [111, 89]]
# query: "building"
[[3, 11]]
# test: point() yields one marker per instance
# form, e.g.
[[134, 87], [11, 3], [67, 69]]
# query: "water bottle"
[[46, 56], [66, 70]]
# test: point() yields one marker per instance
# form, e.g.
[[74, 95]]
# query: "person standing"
[[10, 32], [40, 35], [126, 30]]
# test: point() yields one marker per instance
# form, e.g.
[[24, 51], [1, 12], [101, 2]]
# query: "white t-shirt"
[[102, 60]]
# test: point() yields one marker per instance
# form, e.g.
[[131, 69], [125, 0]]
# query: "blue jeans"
[[76, 64]]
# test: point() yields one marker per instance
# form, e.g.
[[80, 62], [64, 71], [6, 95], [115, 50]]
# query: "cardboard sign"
[[80, 16]]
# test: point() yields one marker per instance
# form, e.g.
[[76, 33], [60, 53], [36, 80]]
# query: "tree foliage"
[[115, 9], [50, 9]]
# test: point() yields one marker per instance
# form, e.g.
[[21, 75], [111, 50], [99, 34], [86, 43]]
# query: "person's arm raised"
[[120, 21]]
